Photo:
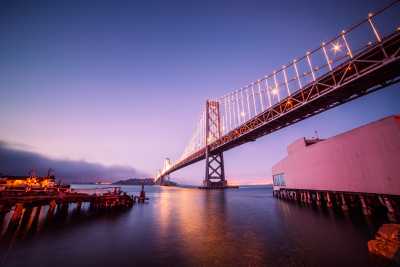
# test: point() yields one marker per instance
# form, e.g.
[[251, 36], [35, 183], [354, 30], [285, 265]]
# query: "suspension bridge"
[[361, 59]]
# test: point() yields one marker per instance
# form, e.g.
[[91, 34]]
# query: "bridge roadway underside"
[[373, 68]]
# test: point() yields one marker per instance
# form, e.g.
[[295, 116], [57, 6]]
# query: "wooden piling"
[[388, 205], [365, 208], [15, 219], [52, 208], [3, 212], [78, 206], [329, 203], [318, 199], [17, 214], [344, 205]]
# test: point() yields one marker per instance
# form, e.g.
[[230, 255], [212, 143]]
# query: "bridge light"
[[242, 114], [274, 91], [336, 47]]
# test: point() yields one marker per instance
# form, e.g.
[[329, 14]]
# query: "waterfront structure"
[[365, 159], [336, 72], [135, 181], [99, 182], [362, 164], [27, 205]]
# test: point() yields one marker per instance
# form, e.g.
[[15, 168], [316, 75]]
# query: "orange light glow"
[[336, 47]]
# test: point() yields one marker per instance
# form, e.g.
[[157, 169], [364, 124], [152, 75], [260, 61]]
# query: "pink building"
[[365, 160]]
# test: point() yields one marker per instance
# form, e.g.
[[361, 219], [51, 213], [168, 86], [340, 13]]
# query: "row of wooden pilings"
[[28, 209], [343, 200], [27, 214]]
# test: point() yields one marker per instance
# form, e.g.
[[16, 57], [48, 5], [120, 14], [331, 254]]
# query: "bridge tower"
[[215, 172], [167, 164]]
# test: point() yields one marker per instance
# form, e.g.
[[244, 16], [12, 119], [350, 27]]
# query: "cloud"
[[14, 160]]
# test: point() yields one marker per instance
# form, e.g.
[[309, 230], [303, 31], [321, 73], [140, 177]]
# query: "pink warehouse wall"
[[365, 159]]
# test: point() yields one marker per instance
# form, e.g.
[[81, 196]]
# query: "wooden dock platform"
[[19, 200]]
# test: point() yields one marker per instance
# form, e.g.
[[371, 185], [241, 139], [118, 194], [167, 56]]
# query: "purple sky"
[[123, 83]]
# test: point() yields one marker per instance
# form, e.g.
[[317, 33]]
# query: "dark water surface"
[[190, 227]]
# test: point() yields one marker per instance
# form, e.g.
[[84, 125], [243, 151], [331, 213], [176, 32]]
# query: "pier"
[[355, 168], [346, 201], [28, 204]]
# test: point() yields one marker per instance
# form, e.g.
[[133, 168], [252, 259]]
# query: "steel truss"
[[373, 69], [215, 173]]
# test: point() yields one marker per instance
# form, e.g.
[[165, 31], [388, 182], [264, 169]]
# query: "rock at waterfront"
[[387, 242]]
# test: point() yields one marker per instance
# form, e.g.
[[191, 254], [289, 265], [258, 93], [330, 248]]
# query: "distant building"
[[365, 159], [136, 181], [103, 182]]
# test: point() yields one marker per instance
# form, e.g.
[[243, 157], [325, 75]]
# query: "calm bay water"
[[190, 227]]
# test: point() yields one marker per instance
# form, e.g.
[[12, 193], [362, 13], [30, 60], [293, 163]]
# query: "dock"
[[23, 203], [359, 167]]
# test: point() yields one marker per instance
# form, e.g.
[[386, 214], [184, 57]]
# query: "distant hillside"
[[136, 181]]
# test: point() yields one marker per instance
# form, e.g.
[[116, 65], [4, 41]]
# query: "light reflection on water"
[[190, 227]]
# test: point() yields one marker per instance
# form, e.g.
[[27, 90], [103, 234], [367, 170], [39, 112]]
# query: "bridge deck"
[[375, 67]]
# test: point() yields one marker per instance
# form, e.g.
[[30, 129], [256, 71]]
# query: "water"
[[190, 227]]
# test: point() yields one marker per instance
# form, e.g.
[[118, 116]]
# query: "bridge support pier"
[[215, 172], [164, 180]]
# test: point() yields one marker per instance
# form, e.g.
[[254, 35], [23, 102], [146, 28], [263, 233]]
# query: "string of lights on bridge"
[[241, 105]]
